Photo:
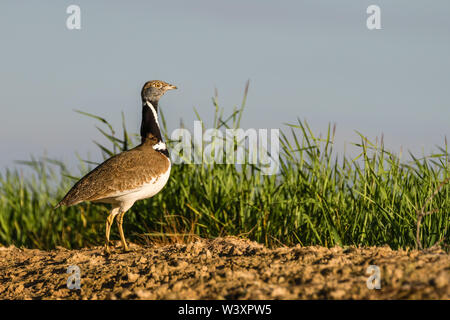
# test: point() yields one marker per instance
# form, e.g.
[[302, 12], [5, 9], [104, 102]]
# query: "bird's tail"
[[57, 206]]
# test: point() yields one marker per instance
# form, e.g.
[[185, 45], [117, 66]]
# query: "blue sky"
[[310, 59]]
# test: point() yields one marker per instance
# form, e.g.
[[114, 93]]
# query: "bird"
[[131, 175]]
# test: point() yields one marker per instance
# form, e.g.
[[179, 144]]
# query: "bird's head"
[[153, 90]]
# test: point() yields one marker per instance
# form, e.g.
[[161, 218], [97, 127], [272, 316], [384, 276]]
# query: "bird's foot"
[[107, 250], [125, 247]]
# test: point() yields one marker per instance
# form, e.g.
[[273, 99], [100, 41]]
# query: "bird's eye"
[[157, 85]]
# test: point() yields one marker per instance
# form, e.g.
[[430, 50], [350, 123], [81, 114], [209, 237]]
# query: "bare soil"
[[224, 268]]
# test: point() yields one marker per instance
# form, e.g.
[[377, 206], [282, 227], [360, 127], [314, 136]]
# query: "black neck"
[[149, 124]]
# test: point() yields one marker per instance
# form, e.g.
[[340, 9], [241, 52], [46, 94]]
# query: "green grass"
[[318, 198]]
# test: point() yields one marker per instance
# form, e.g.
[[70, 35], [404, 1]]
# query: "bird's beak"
[[171, 87]]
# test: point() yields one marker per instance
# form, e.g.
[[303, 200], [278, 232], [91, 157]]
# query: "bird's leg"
[[109, 222], [119, 224]]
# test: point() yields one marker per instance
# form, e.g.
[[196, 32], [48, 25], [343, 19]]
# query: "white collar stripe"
[[155, 115], [160, 146]]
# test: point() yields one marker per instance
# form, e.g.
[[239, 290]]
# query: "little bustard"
[[132, 175]]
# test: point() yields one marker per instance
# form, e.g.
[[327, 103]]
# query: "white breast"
[[143, 192], [153, 187]]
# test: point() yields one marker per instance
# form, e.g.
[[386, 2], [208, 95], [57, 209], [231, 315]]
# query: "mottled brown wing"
[[125, 171]]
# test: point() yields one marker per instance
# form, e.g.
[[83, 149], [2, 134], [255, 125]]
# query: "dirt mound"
[[224, 268]]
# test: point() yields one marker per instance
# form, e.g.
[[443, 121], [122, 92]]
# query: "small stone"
[[338, 294], [132, 277], [177, 286], [144, 294], [279, 293], [442, 280], [125, 293], [143, 260]]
